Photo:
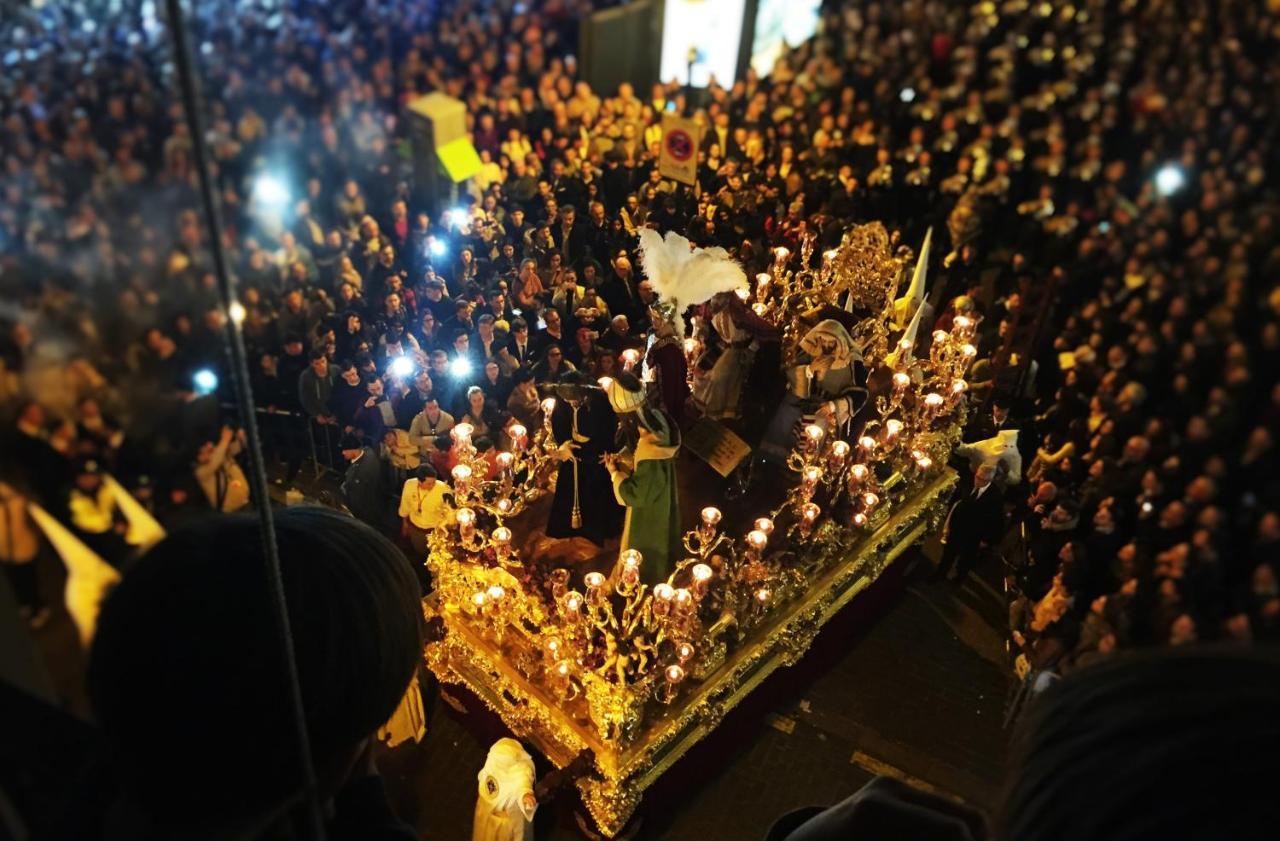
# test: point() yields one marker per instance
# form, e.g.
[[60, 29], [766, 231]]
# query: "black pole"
[[189, 87]]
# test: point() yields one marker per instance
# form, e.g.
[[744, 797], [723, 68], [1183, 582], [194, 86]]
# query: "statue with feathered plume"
[[683, 277]]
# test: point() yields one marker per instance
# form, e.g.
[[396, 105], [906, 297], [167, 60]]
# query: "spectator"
[[168, 652]]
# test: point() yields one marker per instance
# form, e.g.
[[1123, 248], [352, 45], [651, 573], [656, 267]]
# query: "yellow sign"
[[678, 158]]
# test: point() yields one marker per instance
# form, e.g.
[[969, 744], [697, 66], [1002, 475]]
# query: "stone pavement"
[[917, 693]]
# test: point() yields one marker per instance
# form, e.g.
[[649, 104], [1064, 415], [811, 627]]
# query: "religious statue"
[[583, 426], [827, 386], [506, 801], [648, 490], [734, 333], [665, 367], [683, 276]]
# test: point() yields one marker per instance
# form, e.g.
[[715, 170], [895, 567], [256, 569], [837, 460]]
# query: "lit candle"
[[756, 541], [461, 478], [478, 601], [892, 427], [962, 323], [684, 651], [496, 592], [933, 400], [759, 309], [548, 406], [662, 595], [870, 499], [859, 472], [631, 560], [573, 601], [504, 460], [904, 345], [814, 433], [762, 280], [809, 511], [461, 433], [969, 351], [701, 579], [683, 602], [553, 649], [504, 505], [690, 345], [939, 336], [859, 519], [830, 254], [595, 586], [518, 435], [501, 538], [675, 674], [743, 294], [710, 519], [560, 678], [924, 462], [839, 452], [765, 526], [901, 381], [812, 474], [466, 523], [763, 595], [605, 382], [630, 357], [867, 444], [781, 253]]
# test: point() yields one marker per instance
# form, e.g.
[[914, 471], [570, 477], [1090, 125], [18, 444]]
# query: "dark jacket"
[[972, 521], [366, 491], [314, 391]]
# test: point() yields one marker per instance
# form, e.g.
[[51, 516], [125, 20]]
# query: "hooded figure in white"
[[505, 806], [1000, 452]]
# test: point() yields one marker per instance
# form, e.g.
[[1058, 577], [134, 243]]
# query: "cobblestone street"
[[917, 693]]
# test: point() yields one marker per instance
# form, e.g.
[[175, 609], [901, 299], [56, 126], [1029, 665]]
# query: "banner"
[[678, 159]]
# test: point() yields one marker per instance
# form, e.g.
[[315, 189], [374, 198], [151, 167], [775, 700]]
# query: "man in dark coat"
[[975, 522], [365, 487], [583, 434]]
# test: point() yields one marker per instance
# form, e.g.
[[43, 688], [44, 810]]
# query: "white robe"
[[507, 776]]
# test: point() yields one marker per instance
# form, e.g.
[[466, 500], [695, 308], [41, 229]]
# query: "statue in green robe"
[[648, 490]]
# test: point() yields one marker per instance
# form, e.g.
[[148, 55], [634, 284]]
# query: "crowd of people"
[[374, 322]]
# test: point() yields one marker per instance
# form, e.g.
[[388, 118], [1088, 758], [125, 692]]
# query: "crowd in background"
[[1152, 507]]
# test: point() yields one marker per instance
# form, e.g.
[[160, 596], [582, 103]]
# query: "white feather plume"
[[687, 276]]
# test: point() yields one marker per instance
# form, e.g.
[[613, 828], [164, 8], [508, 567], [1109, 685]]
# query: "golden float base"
[[623, 773]]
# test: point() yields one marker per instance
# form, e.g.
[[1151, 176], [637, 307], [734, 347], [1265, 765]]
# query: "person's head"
[[475, 401], [552, 318], [1173, 744], [427, 476], [491, 371], [350, 373], [431, 408], [373, 385], [320, 363], [554, 355], [983, 475], [168, 655], [439, 363]]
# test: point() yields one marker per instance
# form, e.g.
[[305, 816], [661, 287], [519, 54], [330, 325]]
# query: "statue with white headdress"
[[506, 802], [827, 386]]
